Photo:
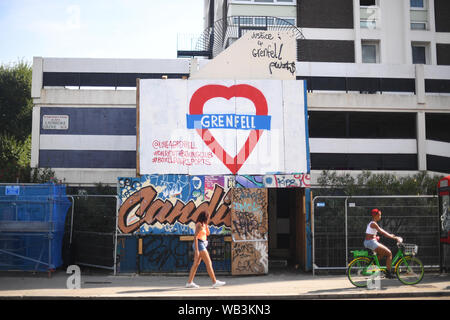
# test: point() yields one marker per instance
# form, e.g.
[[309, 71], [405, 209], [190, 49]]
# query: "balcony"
[[369, 17], [187, 46], [419, 19]]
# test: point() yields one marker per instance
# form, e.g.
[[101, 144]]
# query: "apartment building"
[[378, 98], [378, 75]]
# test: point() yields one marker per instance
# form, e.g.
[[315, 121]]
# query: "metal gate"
[[92, 236], [339, 224]]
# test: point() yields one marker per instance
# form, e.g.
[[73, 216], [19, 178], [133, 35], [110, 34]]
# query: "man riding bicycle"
[[371, 240]]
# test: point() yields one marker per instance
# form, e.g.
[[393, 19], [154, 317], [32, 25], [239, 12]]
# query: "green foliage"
[[16, 104], [15, 122], [43, 175], [14, 158], [16, 108], [369, 183]]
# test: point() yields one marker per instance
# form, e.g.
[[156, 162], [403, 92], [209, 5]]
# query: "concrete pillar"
[[193, 66], [421, 141], [420, 83], [37, 76], [35, 133], [357, 30], [407, 31], [432, 28]]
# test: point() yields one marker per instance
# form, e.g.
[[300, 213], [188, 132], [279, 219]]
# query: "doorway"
[[287, 228]]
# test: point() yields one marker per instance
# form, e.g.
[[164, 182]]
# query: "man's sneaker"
[[389, 275], [218, 284], [192, 285]]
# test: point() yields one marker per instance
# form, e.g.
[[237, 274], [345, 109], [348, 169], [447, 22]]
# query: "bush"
[[368, 183]]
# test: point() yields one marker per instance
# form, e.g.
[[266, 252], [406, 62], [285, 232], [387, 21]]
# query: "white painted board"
[[217, 127]]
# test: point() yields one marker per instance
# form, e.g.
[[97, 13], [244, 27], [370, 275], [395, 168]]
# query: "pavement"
[[277, 285]]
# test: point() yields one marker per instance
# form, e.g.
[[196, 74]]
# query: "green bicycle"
[[365, 267]]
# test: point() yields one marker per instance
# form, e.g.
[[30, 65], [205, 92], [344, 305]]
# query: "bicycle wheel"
[[360, 270], [410, 270]]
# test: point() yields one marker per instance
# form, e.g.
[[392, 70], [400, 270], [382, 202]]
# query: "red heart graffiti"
[[205, 93]]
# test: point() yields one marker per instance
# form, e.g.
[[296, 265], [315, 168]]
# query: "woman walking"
[[201, 253]]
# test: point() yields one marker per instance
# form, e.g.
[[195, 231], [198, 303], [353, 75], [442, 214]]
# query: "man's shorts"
[[371, 244], [202, 244]]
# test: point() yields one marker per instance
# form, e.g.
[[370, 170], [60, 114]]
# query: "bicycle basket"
[[360, 253], [410, 249]]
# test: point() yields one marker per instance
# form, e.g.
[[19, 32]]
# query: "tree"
[[16, 109], [16, 104], [14, 158], [368, 183]]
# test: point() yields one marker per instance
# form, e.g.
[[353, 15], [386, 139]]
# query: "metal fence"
[[31, 226], [91, 236], [339, 224]]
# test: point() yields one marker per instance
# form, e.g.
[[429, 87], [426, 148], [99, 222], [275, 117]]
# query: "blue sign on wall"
[[12, 190]]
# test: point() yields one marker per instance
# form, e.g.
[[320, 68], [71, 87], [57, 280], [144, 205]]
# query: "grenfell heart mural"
[[221, 127]]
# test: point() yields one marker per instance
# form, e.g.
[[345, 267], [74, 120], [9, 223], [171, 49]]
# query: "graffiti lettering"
[[445, 217], [269, 52], [262, 36], [257, 197], [142, 207], [249, 182], [287, 181], [272, 51], [182, 161], [248, 225], [173, 144], [250, 258], [247, 207], [289, 66], [179, 152], [164, 253]]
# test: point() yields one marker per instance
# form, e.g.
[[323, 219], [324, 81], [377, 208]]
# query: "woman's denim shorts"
[[371, 244], [202, 244]]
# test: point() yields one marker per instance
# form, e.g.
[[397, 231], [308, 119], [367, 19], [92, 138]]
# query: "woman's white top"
[[370, 230]]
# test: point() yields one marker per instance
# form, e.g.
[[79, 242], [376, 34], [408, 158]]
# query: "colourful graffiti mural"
[[287, 180], [170, 204], [161, 209], [249, 231]]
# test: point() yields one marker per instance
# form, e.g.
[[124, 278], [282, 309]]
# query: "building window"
[[263, 21], [327, 124], [370, 52], [362, 125], [418, 26], [443, 53], [419, 54], [417, 4], [418, 15], [437, 126], [367, 3], [265, 1], [368, 14], [368, 24], [340, 161]]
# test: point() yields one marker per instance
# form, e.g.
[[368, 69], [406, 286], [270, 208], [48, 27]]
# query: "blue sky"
[[95, 28]]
